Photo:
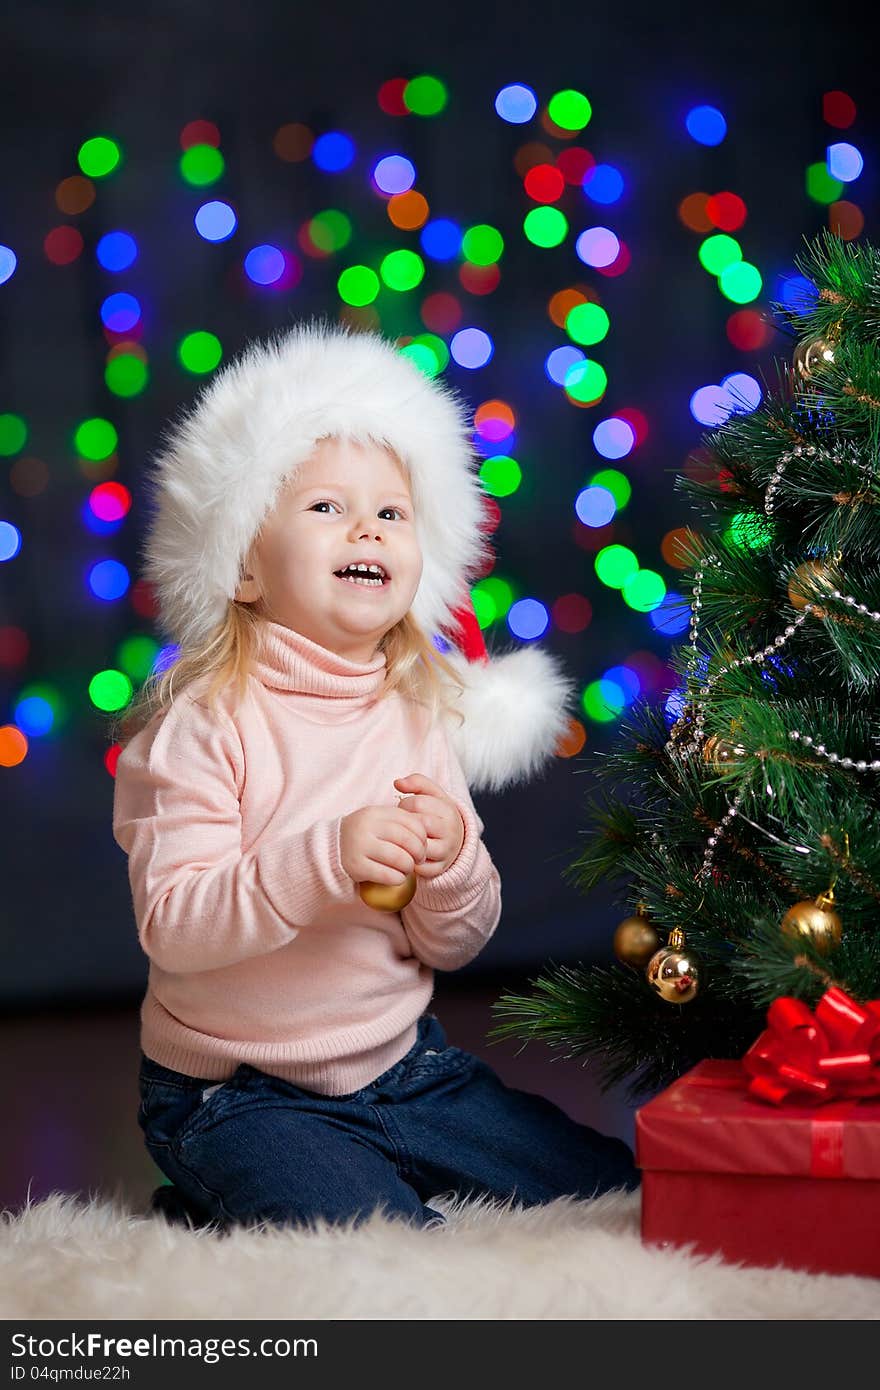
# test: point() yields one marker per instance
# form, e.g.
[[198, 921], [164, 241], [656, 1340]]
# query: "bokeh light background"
[[586, 249]]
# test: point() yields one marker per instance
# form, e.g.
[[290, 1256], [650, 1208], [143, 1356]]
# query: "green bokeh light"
[[569, 109], [545, 226], [482, 245], [110, 690], [428, 352], [358, 285], [741, 282], [603, 701], [402, 270], [201, 165], [495, 592], [425, 95], [199, 352], [330, 230], [617, 484], [586, 381], [98, 156], [587, 324], [501, 475], [644, 590], [821, 187], [748, 531], [484, 607], [95, 439], [718, 252], [13, 434], [137, 656], [126, 375], [615, 564]]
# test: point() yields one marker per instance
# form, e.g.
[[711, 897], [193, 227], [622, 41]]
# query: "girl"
[[317, 518]]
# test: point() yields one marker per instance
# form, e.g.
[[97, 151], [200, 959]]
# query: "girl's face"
[[348, 502]]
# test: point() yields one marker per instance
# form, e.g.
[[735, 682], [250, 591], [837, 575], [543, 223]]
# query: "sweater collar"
[[286, 660]]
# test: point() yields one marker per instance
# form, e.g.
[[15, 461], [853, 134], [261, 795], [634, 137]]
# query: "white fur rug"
[[68, 1258]]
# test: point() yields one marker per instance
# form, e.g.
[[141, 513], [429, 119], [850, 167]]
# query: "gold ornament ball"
[[720, 753], [813, 356], [635, 941], [389, 897], [674, 974], [816, 920], [806, 581]]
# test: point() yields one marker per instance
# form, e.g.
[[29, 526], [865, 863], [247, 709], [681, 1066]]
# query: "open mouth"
[[363, 579]]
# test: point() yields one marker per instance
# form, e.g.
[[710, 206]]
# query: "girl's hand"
[[442, 821], [381, 844]]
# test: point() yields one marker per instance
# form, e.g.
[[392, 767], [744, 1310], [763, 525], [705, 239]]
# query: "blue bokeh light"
[[10, 541], [34, 716], [595, 506], [627, 680], [108, 579], [333, 152], [441, 239], [674, 704], [614, 438], [215, 221], [471, 348], [844, 161], [672, 615], [120, 312], [516, 104], [603, 183], [116, 251], [264, 265], [744, 392], [598, 247], [706, 125], [394, 174], [527, 619], [710, 405], [8, 262], [560, 362]]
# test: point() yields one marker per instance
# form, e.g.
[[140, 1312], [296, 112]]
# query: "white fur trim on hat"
[[220, 466]]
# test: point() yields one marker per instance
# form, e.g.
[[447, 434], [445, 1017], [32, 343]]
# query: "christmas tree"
[[742, 816]]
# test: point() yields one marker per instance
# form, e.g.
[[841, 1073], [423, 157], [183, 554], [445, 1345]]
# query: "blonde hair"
[[227, 657]]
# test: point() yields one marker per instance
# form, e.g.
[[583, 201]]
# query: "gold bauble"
[[816, 920], [674, 972], [807, 580], [389, 897], [635, 941], [720, 753], [813, 356]]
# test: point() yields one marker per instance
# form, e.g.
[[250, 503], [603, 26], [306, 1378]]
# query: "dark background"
[[71, 71]]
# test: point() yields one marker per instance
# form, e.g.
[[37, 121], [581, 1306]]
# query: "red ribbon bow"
[[832, 1056]]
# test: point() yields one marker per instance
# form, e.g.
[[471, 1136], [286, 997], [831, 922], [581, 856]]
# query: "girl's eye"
[[326, 503]]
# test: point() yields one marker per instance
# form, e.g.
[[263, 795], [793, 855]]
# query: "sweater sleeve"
[[200, 903], [452, 916]]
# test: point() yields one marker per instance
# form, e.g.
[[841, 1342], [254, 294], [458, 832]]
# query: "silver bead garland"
[[812, 451], [720, 830], [859, 764]]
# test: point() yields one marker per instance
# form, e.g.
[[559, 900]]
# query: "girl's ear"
[[248, 589]]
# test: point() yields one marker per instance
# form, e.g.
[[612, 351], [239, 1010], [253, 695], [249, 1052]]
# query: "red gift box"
[[794, 1184]]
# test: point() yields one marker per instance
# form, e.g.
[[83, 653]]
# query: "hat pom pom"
[[516, 707]]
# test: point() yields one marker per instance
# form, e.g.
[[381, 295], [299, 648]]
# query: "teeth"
[[370, 575]]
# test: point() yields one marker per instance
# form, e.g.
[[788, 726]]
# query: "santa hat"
[[222, 462]]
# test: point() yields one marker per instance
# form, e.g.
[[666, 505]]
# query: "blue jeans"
[[256, 1148]]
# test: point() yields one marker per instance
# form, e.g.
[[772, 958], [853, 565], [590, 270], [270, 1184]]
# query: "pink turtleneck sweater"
[[260, 947]]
